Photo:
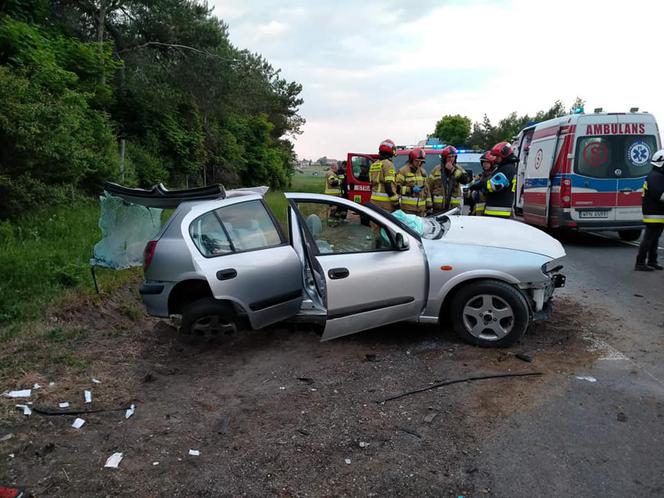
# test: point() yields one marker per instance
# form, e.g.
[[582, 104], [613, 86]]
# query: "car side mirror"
[[401, 242]]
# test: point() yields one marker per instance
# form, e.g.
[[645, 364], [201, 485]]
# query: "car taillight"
[[148, 253], [566, 193]]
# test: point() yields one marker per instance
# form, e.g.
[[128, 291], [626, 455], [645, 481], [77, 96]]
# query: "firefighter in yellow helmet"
[[413, 185], [383, 178], [445, 181]]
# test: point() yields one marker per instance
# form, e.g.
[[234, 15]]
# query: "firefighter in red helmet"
[[413, 185], [500, 188], [383, 178], [477, 196], [446, 180]]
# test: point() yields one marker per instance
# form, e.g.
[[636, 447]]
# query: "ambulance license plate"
[[593, 214]]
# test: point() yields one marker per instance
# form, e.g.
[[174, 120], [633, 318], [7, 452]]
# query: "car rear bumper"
[[155, 297]]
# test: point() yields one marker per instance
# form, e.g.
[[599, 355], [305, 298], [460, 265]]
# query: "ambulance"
[[358, 186], [586, 171]]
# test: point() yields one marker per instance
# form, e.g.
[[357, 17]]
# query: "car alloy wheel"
[[212, 326], [488, 317]]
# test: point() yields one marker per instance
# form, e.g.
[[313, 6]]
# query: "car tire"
[[208, 318], [490, 314], [629, 235]]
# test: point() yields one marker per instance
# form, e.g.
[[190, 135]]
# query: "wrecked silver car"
[[218, 265]]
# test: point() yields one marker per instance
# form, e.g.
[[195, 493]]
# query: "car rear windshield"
[[614, 156]]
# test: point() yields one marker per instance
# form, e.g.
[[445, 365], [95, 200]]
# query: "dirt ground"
[[272, 412]]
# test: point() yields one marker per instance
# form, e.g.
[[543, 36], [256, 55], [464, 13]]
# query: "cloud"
[[385, 68]]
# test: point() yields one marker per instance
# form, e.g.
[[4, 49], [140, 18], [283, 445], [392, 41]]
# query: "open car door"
[[369, 271], [238, 246]]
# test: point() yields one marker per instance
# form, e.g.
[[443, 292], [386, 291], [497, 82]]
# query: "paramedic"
[[652, 206]]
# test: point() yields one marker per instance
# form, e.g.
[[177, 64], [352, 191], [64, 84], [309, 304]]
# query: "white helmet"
[[658, 159]]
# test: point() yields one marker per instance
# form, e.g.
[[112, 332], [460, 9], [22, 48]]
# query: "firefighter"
[[500, 187], [413, 185], [335, 185], [383, 178], [477, 197], [333, 181], [446, 180], [652, 206]]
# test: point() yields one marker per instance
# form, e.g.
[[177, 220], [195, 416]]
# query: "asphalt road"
[[602, 438]]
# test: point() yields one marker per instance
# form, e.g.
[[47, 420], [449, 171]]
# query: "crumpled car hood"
[[505, 234]]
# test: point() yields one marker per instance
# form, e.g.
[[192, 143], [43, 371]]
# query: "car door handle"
[[338, 273], [227, 274]]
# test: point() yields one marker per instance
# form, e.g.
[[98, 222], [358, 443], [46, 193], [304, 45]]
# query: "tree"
[[453, 130]]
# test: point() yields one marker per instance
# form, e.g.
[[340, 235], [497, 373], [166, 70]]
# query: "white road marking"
[[635, 244]]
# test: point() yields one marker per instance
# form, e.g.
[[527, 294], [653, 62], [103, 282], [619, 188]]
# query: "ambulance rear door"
[[537, 176]]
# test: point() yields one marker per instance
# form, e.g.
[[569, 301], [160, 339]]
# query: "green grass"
[[44, 258]]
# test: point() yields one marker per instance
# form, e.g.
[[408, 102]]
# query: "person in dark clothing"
[[652, 206], [499, 189]]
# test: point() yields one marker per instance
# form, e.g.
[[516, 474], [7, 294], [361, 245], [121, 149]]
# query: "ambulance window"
[[637, 150], [593, 157]]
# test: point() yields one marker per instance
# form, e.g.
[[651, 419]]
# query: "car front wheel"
[[208, 318], [489, 313]]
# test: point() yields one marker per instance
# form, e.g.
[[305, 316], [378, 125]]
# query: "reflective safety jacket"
[[383, 184], [653, 197], [499, 200], [333, 183], [445, 187], [413, 187], [478, 194]]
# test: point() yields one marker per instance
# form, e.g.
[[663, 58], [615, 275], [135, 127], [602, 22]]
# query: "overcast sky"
[[390, 69]]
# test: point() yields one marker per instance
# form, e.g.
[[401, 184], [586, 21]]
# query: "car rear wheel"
[[208, 318], [490, 314], [629, 235]]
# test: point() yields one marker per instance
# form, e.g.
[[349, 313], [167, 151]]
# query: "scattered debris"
[[6, 492], [282, 388], [53, 412], [621, 417], [24, 393], [51, 384], [130, 411], [429, 418], [348, 461], [458, 381], [87, 396], [638, 295], [113, 461], [96, 381], [6, 437], [26, 409], [586, 377], [303, 432], [306, 380], [64, 404], [222, 425], [363, 444], [410, 431], [194, 452], [78, 423], [370, 357], [36, 386], [524, 357], [155, 463]]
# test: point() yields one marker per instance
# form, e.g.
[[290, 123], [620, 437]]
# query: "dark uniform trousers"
[[648, 247]]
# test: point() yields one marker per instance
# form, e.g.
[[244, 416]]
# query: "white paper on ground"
[[36, 386], [78, 423], [26, 409], [130, 411], [87, 395], [96, 381], [113, 461], [24, 393], [586, 377], [194, 452], [64, 404]]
